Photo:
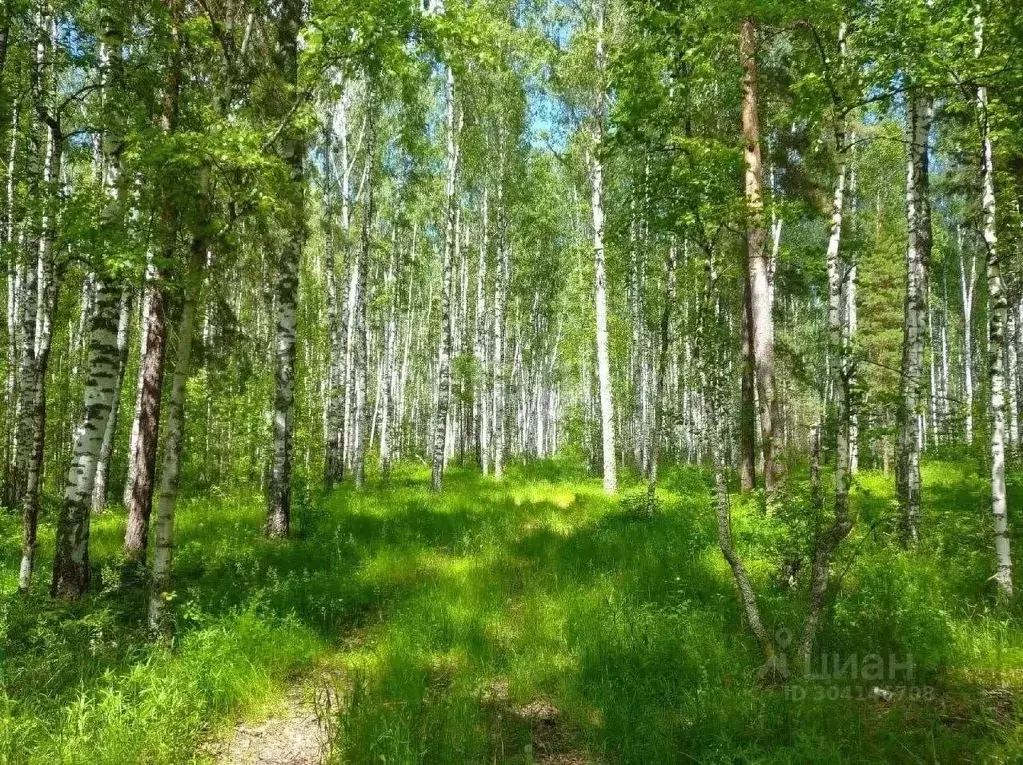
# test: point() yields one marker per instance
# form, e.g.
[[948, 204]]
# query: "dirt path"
[[298, 733]]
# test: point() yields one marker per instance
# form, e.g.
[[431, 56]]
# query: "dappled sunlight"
[[473, 622]]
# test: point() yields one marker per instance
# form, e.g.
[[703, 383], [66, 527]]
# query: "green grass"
[[517, 621]]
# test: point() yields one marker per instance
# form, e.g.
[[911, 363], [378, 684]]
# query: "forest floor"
[[530, 621]]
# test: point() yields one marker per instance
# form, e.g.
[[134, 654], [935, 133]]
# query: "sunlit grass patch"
[[520, 620]]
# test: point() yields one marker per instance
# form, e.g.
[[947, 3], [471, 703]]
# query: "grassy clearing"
[[524, 622]]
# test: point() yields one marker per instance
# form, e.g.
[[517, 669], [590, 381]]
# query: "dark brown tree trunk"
[[136, 535], [140, 507]]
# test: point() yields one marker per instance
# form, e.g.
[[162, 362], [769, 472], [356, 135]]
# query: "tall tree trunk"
[[918, 255], [997, 306], [361, 355], [1011, 331], [756, 236], [71, 555], [654, 447], [850, 324], [40, 297], [129, 482], [160, 590], [99, 489], [292, 151], [828, 540], [933, 415], [747, 403], [140, 507], [440, 427], [334, 460], [11, 467], [747, 597], [480, 419], [140, 504], [967, 284], [596, 172], [387, 376], [500, 329], [348, 280]]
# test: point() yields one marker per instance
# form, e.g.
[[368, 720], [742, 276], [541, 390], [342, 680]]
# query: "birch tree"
[[39, 297], [997, 308], [596, 179], [918, 255], [440, 427], [360, 357], [71, 572], [291, 152]]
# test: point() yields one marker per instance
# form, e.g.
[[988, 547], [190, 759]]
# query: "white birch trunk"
[[40, 296], [596, 168], [387, 377], [918, 248], [967, 286], [99, 490], [997, 304], [360, 357], [500, 298], [71, 557], [481, 423], [440, 428], [292, 152]]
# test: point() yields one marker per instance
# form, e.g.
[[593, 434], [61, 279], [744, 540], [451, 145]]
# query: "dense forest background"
[[281, 259]]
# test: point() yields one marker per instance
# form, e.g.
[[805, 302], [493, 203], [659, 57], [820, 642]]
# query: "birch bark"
[[596, 172], [918, 252], [292, 152], [440, 428], [997, 307]]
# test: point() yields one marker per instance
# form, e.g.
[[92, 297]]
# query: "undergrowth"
[[527, 621]]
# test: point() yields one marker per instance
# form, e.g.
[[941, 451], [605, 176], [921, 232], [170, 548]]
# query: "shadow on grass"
[[529, 620]]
